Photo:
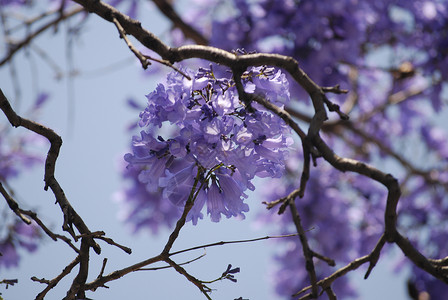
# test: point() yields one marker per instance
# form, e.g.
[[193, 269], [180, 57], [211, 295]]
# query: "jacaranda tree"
[[316, 97]]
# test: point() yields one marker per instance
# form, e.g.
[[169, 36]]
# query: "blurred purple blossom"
[[334, 214], [40, 100], [141, 208], [17, 154], [132, 6], [15, 237]]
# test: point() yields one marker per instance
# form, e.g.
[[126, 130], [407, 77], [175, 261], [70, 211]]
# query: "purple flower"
[[232, 193], [18, 235], [177, 187], [9, 256], [40, 101], [205, 154], [132, 6], [15, 155], [215, 203], [228, 273], [141, 208], [436, 139]]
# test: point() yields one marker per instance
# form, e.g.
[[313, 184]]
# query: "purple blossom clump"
[[15, 157], [423, 212], [426, 285], [142, 208], [199, 142], [16, 236], [335, 222]]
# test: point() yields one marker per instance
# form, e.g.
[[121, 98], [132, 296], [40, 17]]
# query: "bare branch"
[[99, 282], [77, 290], [166, 267], [143, 60], [202, 287], [19, 45], [9, 282], [334, 107], [113, 243], [168, 64], [101, 235], [52, 283], [103, 267], [232, 242], [307, 253]]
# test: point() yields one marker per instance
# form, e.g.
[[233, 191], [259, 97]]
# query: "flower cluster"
[[213, 147], [141, 208], [18, 235]]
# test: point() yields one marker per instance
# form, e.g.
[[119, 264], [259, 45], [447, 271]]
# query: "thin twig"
[[168, 64], [294, 194], [167, 267], [103, 267], [233, 242], [19, 45], [52, 235], [334, 89], [9, 282], [202, 287], [334, 107], [99, 282], [112, 242], [52, 283], [143, 60]]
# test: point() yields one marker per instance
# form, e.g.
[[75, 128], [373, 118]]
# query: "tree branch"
[[55, 281], [202, 287], [143, 60], [19, 45], [71, 217]]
